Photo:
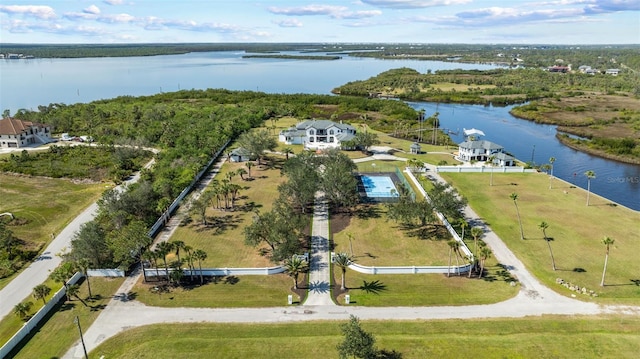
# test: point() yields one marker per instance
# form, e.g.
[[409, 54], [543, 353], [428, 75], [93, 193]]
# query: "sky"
[[330, 21]]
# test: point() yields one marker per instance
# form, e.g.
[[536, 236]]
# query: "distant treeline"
[[596, 56]]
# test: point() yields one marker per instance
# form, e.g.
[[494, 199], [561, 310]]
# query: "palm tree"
[[454, 247], [83, 266], [249, 164], [287, 151], [178, 245], [350, 236], [241, 172], [189, 259], [485, 253], [294, 267], [476, 233], [490, 161], [343, 260], [22, 309], [551, 161], [514, 197], [41, 291], [150, 256], [200, 255], [607, 242], [463, 224], [590, 174], [73, 290], [543, 226], [162, 250]]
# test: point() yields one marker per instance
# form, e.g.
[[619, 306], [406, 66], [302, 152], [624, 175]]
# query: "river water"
[[29, 83]]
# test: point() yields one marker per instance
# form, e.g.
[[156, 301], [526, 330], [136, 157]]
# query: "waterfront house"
[[16, 133], [317, 134], [479, 150]]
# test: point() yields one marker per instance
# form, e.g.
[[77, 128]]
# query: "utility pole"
[[77, 321]]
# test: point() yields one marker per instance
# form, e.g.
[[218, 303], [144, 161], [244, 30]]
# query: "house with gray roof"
[[480, 150], [317, 134]]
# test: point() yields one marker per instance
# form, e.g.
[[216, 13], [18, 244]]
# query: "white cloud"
[[413, 4], [289, 23], [37, 11], [113, 2], [92, 10], [336, 12]]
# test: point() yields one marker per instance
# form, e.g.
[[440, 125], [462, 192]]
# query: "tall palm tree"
[[162, 250], [476, 233], [189, 259], [607, 242], [543, 226], [249, 164], [454, 248], [41, 291], [73, 290], [200, 255], [343, 260], [178, 245], [485, 253], [514, 197], [294, 267], [83, 266], [150, 256], [590, 174], [463, 224], [22, 309], [551, 161], [241, 172], [490, 161]]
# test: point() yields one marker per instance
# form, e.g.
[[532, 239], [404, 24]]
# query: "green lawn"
[[227, 292], [537, 337], [50, 205], [577, 231], [59, 332]]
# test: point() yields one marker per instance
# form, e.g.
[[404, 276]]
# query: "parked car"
[[66, 137]]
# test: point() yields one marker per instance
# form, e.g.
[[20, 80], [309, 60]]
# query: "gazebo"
[[415, 148]]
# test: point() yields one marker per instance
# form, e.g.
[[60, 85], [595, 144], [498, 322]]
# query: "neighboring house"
[[613, 72], [317, 134], [16, 133], [239, 155], [478, 150]]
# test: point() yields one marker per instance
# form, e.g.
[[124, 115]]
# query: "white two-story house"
[[16, 133], [481, 150], [317, 134]]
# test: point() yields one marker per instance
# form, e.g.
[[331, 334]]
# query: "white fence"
[[105, 273], [474, 169], [35, 320], [210, 272], [410, 269]]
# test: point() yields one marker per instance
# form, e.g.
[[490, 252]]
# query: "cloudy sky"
[[406, 21]]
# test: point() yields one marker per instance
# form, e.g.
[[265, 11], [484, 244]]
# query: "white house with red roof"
[[16, 133]]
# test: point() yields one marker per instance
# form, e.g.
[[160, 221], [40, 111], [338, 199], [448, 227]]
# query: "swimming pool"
[[378, 186]]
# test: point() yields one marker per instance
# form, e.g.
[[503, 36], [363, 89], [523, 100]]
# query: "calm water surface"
[[29, 83]]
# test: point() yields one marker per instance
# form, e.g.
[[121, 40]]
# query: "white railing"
[[105, 273], [35, 320], [477, 169], [153, 272]]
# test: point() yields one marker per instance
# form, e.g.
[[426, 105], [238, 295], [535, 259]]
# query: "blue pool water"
[[378, 186]]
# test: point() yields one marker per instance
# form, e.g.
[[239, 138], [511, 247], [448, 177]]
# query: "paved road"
[[21, 286], [319, 270]]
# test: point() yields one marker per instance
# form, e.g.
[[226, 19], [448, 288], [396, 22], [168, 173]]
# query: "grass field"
[[536, 337], [577, 231], [60, 332], [50, 205]]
